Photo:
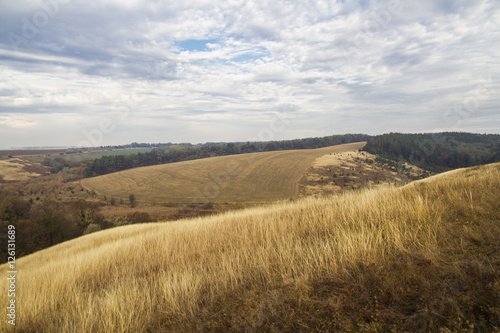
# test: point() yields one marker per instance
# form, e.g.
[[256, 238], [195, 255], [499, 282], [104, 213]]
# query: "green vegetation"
[[131, 198], [75, 160], [78, 156], [109, 164], [437, 152]]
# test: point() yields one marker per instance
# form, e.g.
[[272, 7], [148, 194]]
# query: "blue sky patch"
[[197, 45]]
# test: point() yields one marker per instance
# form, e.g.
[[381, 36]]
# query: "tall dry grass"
[[422, 257]]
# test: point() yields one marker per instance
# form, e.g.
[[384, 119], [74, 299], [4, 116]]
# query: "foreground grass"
[[424, 257]]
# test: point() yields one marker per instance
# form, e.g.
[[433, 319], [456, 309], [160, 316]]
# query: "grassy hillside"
[[423, 257], [14, 169], [188, 152], [241, 178]]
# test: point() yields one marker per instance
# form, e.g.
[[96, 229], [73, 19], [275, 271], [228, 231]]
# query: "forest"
[[437, 152], [162, 155]]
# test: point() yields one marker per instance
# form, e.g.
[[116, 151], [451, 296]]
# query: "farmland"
[[255, 177], [92, 155]]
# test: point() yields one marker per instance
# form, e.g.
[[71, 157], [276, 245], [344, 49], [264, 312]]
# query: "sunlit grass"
[[420, 257]]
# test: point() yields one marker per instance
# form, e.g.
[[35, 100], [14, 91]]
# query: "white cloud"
[[347, 66]]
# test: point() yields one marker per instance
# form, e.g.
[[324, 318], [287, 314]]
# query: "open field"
[[255, 177], [16, 169], [22, 165], [85, 156], [35, 152], [92, 155], [423, 257]]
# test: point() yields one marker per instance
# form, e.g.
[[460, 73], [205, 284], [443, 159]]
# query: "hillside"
[[187, 152], [423, 257], [14, 169], [255, 177]]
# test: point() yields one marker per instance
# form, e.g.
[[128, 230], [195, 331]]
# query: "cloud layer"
[[202, 71]]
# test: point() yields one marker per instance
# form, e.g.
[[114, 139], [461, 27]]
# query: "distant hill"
[[438, 151], [423, 257], [179, 153], [253, 177]]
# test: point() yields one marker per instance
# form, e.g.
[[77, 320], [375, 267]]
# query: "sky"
[[105, 72]]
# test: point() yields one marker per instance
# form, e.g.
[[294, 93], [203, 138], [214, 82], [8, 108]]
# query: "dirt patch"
[[337, 172]]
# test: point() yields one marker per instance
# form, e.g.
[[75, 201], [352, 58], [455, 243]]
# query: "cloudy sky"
[[103, 72]]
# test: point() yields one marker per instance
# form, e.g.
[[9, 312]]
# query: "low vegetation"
[[350, 170], [423, 257]]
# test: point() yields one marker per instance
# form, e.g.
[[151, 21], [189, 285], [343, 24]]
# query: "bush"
[[139, 217], [92, 228]]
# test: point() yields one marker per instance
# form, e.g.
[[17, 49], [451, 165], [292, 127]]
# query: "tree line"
[[438, 152], [163, 155]]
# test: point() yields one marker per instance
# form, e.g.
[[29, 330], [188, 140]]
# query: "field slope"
[[255, 177], [423, 257]]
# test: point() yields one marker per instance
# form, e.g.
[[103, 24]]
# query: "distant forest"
[[163, 155], [438, 151]]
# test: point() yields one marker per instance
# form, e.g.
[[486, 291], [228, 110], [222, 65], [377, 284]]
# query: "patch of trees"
[[108, 164], [438, 151], [44, 224], [60, 163]]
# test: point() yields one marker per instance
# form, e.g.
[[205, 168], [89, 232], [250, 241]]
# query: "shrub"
[[92, 228]]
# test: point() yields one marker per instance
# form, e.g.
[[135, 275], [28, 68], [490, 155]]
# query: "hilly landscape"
[[249, 166], [419, 257], [353, 237], [255, 177]]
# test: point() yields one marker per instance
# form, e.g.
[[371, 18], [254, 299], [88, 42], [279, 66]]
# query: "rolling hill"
[[423, 257], [255, 177]]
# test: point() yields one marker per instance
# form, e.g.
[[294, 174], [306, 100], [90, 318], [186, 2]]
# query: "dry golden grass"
[[14, 169], [419, 258], [253, 177]]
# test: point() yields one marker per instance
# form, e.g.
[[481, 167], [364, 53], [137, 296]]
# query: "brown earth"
[[336, 172]]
